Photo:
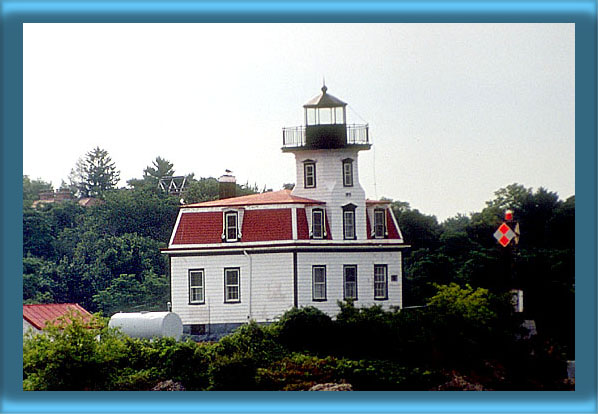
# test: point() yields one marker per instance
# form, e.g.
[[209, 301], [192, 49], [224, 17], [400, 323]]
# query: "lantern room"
[[325, 109], [325, 127]]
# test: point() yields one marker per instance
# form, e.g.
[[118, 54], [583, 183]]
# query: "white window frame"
[[348, 173], [380, 283], [197, 289], [347, 284], [228, 298], [349, 224], [380, 226], [307, 174], [321, 227], [318, 295], [228, 229]]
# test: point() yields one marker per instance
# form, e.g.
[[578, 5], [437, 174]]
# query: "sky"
[[455, 111]]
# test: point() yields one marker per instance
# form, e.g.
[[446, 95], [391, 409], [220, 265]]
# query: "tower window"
[[349, 222], [317, 224], [348, 172], [319, 283], [309, 172], [231, 226], [379, 223]]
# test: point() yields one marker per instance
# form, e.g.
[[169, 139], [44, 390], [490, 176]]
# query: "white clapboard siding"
[[334, 263], [330, 189], [266, 287]]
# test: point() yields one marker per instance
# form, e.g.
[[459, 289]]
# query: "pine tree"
[[94, 174]]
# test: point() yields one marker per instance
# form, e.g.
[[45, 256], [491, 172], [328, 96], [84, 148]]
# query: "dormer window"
[[317, 224], [349, 222], [231, 226], [379, 223], [309, 174], [348, 172]]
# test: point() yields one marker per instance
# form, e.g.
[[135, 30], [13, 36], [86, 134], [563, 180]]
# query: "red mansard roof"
[[40, 315], [272, 197], [265, 225], [199, 228], [393, 232]]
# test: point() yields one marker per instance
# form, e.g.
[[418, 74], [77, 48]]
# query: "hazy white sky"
[[456, 111]]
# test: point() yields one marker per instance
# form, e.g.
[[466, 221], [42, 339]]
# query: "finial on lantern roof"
[[324, 88]]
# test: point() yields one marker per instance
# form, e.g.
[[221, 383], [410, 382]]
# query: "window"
[[379, 223], [309, 172], [348, 172], [231, 228], [196, 287], [349, 222], [317, 224], [350, 282], [197, 329], [232, 286], [319, 283], [380, 282]]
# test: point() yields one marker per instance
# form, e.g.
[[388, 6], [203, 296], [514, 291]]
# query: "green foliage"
[[129, 293], [94, 174], [306, 328], [472, 305], [70, 357], [298, 372], [32, 188], [422, 231]]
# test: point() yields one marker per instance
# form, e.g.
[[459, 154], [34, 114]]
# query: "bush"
[[73, 356], [298, 372], [306, 329]]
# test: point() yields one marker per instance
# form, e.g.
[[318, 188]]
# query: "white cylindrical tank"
[[148, 324]]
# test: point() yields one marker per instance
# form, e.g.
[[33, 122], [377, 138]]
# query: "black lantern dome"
[[325, 126]]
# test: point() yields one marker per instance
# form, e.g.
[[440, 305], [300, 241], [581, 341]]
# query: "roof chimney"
[[227, 185]]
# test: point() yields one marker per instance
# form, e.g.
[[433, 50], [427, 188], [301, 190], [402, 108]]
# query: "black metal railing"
[[295, 137]]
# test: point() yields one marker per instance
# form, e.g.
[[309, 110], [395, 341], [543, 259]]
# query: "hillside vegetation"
[[107, 258]]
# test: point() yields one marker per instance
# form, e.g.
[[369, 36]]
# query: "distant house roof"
[[40, 315], [271, 197], [90, 201]]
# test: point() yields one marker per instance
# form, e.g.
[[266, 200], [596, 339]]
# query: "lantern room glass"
[[325, 116]]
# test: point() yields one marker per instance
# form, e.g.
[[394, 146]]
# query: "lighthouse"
[[326, 153], [254, 257]]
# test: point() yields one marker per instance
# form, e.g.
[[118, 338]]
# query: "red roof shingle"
[[272, 197], [393, 232], [199, 228], [270, 224], [40, 315]]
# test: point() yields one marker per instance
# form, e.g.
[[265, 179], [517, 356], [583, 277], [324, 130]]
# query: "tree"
[[152, 174], [94, 174], [161, 168], [32, 188]]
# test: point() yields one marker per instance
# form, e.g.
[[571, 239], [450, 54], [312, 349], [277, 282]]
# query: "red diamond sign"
[[504, 234]]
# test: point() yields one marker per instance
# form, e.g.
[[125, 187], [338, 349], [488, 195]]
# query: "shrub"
[[306, 329], [298, 372], [73, 356]]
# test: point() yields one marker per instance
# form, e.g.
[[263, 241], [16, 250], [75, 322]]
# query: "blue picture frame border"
[[14, 13]]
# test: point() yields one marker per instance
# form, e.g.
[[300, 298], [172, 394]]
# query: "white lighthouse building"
[[254, 257]]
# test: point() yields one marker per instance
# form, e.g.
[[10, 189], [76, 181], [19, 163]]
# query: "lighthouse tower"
[[253, 257], [326, 151]]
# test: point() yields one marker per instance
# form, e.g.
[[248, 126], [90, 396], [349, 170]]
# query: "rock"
[[459, 383], [331, 386], [168, 385]]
